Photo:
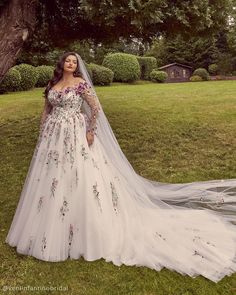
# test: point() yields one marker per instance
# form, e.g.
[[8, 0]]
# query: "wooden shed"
[[177, 72]]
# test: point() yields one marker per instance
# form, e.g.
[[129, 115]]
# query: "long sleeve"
[[45, 113], [90, 97]]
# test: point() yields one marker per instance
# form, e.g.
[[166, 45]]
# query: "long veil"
[[218, 196]]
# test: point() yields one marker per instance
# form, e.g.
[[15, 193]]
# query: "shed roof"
[[175, 64]]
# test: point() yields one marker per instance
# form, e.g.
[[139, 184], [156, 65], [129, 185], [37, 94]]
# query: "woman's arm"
[[91, 100]]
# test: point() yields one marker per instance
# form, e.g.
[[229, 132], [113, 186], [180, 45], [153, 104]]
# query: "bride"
[[81, 196]]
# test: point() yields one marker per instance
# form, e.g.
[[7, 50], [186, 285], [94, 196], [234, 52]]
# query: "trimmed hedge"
[[147, 64], [11, 81], [101, 75], [213, 69], [29, 76], [124, 66], [45, 74], [158, 76], [195, 78], [203, 73]]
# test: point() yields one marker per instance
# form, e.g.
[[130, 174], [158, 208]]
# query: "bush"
[[195, 78], [101, 75], [147, 64], [11, 81], [213, 69], [29, 76], [45, 73], [201, 72], [124, 66], [158, 76]]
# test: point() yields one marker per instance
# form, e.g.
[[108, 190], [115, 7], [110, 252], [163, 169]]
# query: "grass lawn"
[[169, 132]]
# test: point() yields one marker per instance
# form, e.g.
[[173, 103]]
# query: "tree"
[[17, 21], [194, 51], [107, 20]]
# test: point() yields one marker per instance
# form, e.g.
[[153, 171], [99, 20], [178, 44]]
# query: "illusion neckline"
[[68, 87]]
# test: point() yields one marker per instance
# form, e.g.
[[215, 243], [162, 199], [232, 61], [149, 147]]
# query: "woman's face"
[[70, 64]]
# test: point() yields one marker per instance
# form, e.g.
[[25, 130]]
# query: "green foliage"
[[158, 76], [201, 72], [29, 76], [101, 75], [193, 51], [195, 78], [226, 63], [125, 66], [137, 18], [213, 69], [11, 81], [147, 64], [45, 73]]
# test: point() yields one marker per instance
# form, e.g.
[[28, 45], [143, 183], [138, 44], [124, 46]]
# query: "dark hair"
[[58, 72]]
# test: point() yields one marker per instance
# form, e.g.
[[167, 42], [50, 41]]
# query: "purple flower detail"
[[53, 186]]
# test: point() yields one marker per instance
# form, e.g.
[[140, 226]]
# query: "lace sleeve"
[[90, 97], [46, 111]]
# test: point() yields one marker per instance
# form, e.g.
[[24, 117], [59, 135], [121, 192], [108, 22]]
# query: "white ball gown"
[[77, 202]]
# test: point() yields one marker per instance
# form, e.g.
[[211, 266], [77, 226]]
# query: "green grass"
[[169, 132]]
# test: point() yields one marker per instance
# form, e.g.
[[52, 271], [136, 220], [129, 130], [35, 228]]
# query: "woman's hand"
[[90, 137]]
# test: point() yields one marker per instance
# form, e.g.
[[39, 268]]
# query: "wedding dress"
[[80, 200]]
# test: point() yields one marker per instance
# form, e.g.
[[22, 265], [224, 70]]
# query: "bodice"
[[66, 102]]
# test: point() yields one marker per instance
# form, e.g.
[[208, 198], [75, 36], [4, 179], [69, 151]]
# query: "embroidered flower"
[[159, 235], [44, 243], [196, 253], [96, 194], [114, 196], [95, 164], [64, 209], [30, 244], [54, 186], [40, 203], [76, 177], [53, 155], [71, 233], [83, 152]]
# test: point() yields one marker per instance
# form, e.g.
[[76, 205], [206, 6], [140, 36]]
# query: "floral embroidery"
[[58, 131], [96, 194], [76, 177], [83, 152], [72, 159], [199, 238], [196, 253], [159, 235], [54, 186], [70, 237], [114, 196], [95, 164], [44, 243], [66, 140], [64, 209], [53, 155], [30, 244], [105, 161], [40, 203]]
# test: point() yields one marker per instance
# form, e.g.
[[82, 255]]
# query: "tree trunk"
[[17, 21]]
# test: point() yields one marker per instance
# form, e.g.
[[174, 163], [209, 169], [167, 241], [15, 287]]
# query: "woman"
[[82, 197]]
